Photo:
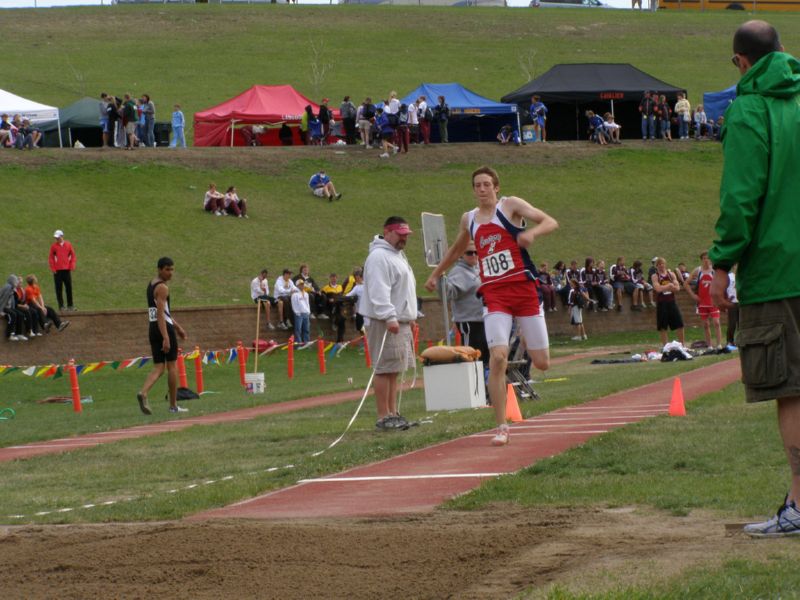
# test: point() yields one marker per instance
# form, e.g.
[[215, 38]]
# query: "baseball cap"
[[58, 233]]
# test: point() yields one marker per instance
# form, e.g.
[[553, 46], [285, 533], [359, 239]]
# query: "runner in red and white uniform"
[[704, 275], [508, 279]]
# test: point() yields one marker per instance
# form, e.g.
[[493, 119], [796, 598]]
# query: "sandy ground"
[[496, 553]]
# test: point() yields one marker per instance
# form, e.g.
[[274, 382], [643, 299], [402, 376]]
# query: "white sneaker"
[[385, 155], [323, 316], [313, 317], [576, 338], [22, 338], [178, 409], [501, 437], [586, 337], [270, 325], [13, 338]]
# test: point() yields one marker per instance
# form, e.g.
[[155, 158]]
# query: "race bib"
[[152, 314], [497, 264]]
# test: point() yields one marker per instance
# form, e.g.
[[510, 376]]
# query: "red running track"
[[421, 480]]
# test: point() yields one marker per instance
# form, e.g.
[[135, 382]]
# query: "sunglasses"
[[735, 60], [471, 252]]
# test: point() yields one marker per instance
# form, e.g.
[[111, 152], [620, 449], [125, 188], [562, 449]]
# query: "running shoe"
[[338, 196], [271, 326], [178, 409], [785, 523], [501, 437], [143, 405]]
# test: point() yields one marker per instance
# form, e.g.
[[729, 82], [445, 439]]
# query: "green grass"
[[121, 217], [139, 473]]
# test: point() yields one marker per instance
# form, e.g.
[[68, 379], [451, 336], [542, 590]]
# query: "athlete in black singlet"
[[163, 339]]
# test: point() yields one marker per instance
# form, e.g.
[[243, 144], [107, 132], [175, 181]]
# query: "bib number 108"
[[497, 264]]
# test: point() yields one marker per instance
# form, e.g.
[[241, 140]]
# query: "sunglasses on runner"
[[471, 252]]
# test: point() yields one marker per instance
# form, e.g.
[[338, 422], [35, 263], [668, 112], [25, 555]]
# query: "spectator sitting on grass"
[[213, 201], [233, 205], [322, 186], [45, 315]]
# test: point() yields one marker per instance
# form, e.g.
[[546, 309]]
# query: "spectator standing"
[[366, 116], [668, 315], [389, 301], [647, 108], [163, 335], [140, 128], [463, 282], [316, 298], [704, 275], [62, 262], [322, 186], [665, 118], [149, 110], [354, 295], [576, 300], [302, 312], [403, 131], [305, 120], [425, 116], [259, 292], [348, 112], [129, 118], [178, 125], [683, 111], [701, 123], [757, 230], [325, 120], [386, 133], [442, 116], [413, 122], [547, 290], [103, 107], [539, 116]]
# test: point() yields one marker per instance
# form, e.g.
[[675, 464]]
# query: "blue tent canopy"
[[460, 100], [716, 103]]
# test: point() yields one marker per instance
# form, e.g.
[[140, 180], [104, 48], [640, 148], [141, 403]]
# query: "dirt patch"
[[487, 554]]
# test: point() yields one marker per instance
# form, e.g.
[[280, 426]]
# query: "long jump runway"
[[421, 480]]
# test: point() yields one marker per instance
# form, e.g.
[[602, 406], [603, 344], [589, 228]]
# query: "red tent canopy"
[[268, 105]]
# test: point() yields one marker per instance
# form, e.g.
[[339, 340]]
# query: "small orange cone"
[[513, 413], [676, 405]]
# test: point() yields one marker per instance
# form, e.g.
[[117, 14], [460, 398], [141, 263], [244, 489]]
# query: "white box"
[[453, 386]]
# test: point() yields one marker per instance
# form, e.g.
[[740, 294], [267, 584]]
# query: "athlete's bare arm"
[[517, 209], [452, 254], [160, 293], [686, 285]]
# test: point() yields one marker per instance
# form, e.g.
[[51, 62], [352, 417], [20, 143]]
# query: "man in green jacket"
[[757, 229]]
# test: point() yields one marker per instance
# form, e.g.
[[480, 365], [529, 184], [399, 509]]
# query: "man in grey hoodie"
[[9, 311], [389, 303]]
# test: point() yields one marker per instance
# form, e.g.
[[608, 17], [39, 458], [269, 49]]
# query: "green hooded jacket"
[[759, 222]]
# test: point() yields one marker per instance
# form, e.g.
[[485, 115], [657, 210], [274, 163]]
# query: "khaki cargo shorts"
[[398, 350]]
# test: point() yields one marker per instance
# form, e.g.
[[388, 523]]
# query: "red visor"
[[399, 228]]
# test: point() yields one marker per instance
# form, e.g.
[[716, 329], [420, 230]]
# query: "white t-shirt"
[[611, 125], [412, 114], [393, 107], [423, 106], [259, 287], [732, 288]]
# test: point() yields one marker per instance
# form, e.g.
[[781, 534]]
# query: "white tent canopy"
[[11, 104]]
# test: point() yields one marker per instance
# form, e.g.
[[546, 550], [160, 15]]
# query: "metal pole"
[[445, 310]]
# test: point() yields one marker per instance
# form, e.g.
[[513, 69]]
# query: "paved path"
[[86, 441], [421, 480]]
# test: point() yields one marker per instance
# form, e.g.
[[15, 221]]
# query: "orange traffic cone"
[[513, 413], [676, 405]]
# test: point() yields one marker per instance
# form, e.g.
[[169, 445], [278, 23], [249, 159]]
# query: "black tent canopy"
[[569, 90]]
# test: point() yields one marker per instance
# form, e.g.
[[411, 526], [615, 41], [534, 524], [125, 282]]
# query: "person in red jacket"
[[62, 263]]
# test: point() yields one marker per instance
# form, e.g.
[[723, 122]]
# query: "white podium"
[[454, 386]]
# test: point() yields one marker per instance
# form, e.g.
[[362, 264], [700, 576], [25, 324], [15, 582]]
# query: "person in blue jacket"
[[178, 124], [386, 131], [322, 186], [539, 115]]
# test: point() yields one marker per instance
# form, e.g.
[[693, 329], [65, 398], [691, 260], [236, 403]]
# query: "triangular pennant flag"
[[90, 367], [51, 371], [328, 347], [100, 365], [79, 369], [232, 356], [10, 370], [59, 373], [132, 361], [43, 370], [144, 360], [115, 365], [29, 371], [3, 369]]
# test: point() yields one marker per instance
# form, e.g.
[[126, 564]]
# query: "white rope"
[[361, 403]]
